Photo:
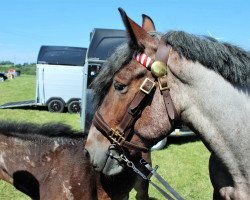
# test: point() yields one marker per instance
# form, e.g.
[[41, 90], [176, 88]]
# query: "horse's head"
[[120, 91]]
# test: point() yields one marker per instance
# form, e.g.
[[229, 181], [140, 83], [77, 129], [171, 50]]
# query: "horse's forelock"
[[232, 62], [103, 81]]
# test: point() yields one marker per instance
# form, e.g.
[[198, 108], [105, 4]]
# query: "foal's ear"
[[147, 23], [139, 39]]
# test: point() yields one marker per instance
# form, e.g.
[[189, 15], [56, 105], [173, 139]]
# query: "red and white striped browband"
[[142, 58]]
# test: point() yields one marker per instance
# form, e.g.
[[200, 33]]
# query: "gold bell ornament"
[[159, 69]]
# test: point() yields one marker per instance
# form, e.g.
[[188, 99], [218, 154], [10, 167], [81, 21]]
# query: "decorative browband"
[[158, 68], [145, 60]]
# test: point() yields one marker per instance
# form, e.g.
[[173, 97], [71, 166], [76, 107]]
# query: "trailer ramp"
[[18, 104]]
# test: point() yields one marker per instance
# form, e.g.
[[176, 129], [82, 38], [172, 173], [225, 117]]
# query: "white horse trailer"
[[59, 78]]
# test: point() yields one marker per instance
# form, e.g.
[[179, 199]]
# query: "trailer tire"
[[56, 105], [74, 107]]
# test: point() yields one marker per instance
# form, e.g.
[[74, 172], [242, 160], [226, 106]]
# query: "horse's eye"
[[119, 86]]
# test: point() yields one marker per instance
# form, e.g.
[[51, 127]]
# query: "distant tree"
[[25, 68], [26, 64], [6, 63], [18, 66]]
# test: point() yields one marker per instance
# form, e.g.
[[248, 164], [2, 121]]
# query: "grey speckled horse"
[[201, 74]]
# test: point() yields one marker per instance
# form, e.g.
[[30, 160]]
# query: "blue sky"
[[25, 25]]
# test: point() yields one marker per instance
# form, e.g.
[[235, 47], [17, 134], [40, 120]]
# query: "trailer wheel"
[[56, 105], [74, 107]]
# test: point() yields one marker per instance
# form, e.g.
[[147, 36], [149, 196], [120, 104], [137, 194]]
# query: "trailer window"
[[93, 72], [62, 55]]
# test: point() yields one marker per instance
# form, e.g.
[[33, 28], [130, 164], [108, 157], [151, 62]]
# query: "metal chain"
[[131, 165], [152, 171]]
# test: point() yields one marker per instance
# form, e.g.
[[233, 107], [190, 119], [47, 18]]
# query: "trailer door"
[[40, 85], [87, 108], [103, 43]]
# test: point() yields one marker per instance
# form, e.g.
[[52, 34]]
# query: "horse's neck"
[[216, 110], [213, 102]]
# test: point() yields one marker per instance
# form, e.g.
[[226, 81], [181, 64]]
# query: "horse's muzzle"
[[106, 162]]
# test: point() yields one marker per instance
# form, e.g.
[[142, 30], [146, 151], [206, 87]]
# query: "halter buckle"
[[116, 136], [147, 85], [163, 85]]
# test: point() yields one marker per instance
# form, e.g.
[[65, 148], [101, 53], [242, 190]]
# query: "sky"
[[25, 25]]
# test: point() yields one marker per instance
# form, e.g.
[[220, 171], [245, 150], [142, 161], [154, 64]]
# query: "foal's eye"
[[119, 86]]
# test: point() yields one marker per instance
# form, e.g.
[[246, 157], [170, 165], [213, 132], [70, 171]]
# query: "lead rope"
[[153, 172], [160, 179]]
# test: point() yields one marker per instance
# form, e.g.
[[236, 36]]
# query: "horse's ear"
[[147, 23], [138, 37]]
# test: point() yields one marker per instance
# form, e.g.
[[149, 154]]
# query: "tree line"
[[25, 68]]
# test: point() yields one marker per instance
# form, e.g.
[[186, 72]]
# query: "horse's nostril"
[[86, 153], [94, 165]]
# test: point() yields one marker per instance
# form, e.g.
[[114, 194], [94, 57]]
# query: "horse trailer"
[[59, 78]]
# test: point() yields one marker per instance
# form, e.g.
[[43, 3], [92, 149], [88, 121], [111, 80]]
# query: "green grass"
[[183, 163], [185, 167], [18, 89]]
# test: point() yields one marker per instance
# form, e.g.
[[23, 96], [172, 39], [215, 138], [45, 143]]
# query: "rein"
[[152, 172], [124, 130]]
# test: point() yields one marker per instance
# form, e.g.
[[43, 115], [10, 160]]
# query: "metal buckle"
[[145, 83], [116, 136], [160, 85]]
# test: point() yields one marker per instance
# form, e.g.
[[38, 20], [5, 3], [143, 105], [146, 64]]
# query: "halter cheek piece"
[[123, 131]]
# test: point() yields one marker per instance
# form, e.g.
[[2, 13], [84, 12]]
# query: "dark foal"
[[47, 162]]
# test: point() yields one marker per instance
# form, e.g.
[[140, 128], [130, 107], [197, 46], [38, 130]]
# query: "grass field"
[[183, 163]]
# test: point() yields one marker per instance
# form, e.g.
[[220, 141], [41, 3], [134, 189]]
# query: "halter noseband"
[[123, 131]]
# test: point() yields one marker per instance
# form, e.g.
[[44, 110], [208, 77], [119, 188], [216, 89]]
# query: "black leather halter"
[[123, 131]]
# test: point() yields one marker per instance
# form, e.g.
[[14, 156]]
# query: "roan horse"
[[47, 162], [196, 90]]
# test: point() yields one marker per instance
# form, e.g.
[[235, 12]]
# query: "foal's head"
[[115, 88]]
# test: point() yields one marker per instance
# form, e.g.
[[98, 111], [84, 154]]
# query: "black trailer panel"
[[104, 42]]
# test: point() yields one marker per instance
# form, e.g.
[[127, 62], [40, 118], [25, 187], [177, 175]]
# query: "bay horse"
[[195, 87], [47, 162]]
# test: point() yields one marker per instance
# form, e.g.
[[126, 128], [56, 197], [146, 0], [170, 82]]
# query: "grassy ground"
[[183, 163]]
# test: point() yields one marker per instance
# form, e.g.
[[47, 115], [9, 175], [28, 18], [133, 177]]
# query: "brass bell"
[[159, 69]]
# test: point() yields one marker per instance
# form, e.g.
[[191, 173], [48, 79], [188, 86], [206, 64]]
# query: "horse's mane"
[[232, 62], [30, 130], [103, 81]]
